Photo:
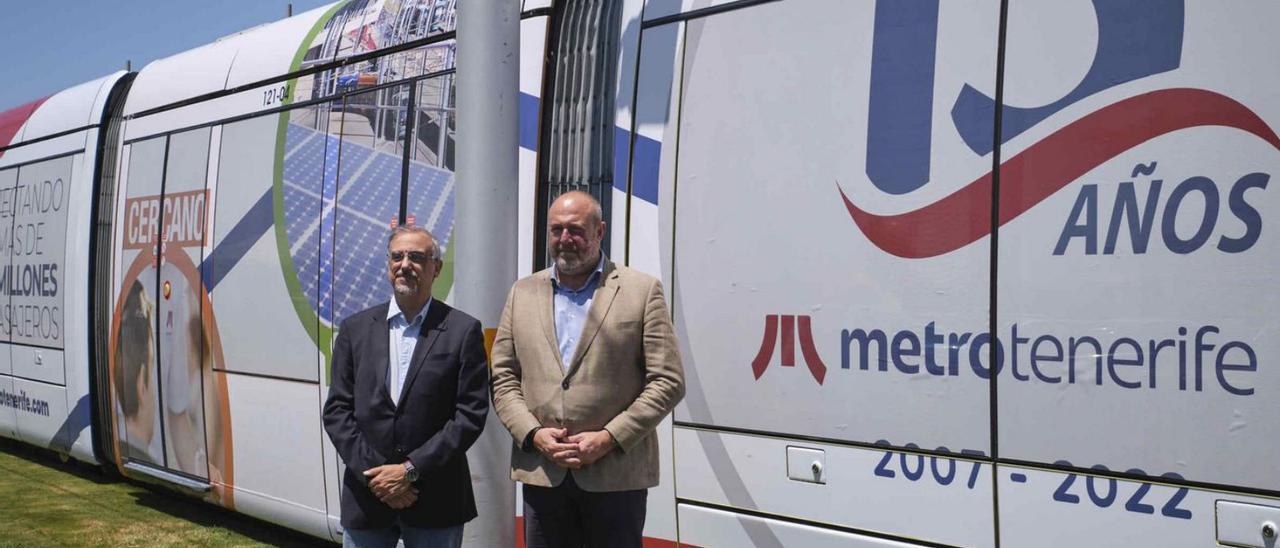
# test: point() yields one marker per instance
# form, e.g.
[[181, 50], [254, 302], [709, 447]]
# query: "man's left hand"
[[592, 446], [387, 481], [403, 500]]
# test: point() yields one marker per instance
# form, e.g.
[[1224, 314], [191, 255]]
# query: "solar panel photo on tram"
[[431, 199], [337, 217]]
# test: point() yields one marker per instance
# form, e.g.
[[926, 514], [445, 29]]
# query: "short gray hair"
[[399, 230]]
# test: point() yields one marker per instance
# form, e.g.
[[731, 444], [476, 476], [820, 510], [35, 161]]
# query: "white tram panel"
[[272, 46], [794, 322], [182, 76], [533, 54], [1054, 509], [41, 411], [653, 149], [701, 526], [8, 407], [233, 61], [43, 150], [629, 44], [279, 474], [256, 315], [1153, 265], [251, 57], [71, 108], [938, 498]]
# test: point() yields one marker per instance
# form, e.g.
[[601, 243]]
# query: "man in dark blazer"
[[407, 398]]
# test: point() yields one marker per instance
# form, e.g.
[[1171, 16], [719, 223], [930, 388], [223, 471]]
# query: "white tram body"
[[968, 273]]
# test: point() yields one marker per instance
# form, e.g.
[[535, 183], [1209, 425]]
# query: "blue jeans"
[[414, 537]]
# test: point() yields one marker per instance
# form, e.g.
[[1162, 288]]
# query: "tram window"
[[38, 251], [430, 201], [367, 199], [267, 321], [436, 123]]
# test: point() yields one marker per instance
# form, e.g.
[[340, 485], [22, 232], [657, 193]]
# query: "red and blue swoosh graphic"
[[11, 121], [1049, 165]]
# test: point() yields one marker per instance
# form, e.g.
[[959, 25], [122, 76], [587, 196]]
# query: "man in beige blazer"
[[585, 366]]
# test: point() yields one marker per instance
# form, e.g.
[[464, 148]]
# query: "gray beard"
[[570, 267], [575, 266]]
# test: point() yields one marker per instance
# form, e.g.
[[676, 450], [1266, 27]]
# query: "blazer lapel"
[[546, 312], [382, 352], [432, 325], [606, 290]]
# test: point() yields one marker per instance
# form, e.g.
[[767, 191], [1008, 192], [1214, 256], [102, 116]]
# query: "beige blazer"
[[625, 376]]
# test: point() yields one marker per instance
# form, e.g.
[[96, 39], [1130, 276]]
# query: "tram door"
[[182, 348], [160, 352]]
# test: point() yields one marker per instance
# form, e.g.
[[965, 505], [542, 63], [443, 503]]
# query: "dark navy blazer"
[[440, 413]]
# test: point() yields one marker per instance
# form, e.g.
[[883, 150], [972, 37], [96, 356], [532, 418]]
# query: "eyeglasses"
[[414, 256], [558, 231]]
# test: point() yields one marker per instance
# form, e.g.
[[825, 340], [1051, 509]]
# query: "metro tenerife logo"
[[1136, 39], [767, 343]]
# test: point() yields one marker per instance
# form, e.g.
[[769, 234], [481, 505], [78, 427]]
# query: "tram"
[[968, 273]]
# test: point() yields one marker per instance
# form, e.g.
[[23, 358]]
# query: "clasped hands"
[[574, 451], [389, 484]]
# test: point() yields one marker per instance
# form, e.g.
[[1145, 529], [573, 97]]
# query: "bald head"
[[577, 200]]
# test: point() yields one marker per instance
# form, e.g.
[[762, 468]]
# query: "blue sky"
[[53, 45]]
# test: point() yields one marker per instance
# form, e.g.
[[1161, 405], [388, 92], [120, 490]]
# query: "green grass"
[[44, 502]]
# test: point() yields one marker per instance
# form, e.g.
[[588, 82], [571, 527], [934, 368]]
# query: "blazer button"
[[400, 449], [565, 384]]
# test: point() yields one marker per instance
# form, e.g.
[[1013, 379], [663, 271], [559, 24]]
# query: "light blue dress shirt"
[[571, 307], [403, 339]]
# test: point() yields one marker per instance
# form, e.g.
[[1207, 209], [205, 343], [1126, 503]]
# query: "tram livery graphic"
[[1010, 264]]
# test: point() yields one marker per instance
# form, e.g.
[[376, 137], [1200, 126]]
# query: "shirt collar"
[[595, 275], [393, 310]]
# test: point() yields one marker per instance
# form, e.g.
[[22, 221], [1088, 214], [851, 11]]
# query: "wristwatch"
[[410, 473]]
